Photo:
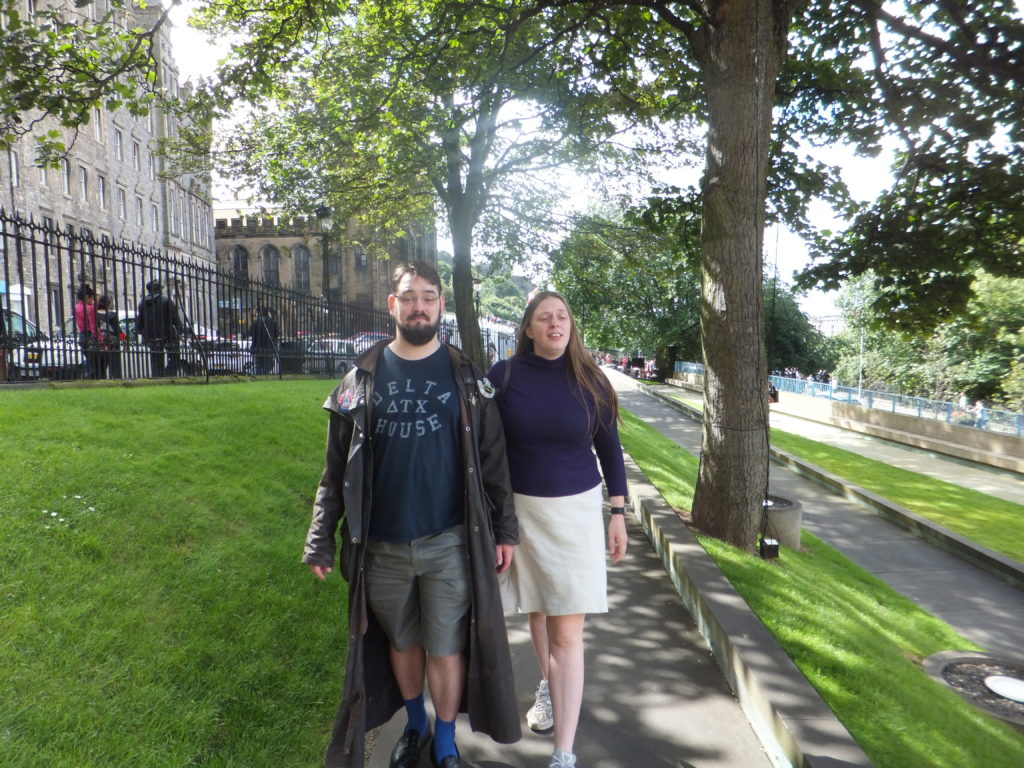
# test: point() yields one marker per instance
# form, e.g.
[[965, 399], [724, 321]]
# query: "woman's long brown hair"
[[580, 364]]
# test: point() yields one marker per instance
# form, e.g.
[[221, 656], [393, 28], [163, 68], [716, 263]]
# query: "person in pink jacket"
[[88, 331]]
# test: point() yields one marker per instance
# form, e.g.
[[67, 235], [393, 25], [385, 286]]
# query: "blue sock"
[[444, 739], [417, 712]]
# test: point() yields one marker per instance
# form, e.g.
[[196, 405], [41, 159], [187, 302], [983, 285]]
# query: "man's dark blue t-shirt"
[[417, 461]]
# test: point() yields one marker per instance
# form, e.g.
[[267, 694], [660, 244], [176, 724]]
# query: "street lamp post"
[[323, 215]]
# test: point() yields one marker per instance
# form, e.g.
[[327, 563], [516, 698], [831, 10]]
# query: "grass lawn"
[[857, 641], [992, 522], [153, 607]]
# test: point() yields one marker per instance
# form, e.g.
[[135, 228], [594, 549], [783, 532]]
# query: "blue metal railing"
[[989, 419]]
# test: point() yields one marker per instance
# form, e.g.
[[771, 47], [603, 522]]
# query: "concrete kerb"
[[991, 562], [794, 725]]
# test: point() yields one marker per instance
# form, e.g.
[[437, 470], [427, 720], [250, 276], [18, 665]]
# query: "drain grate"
[[966, 673]]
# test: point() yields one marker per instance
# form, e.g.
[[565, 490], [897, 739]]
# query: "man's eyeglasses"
[[427, 299]]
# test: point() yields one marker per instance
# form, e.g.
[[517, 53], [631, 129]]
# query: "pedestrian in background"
[[111, 336], [160, 328], [558, 408], [88, 332], [264, 335]]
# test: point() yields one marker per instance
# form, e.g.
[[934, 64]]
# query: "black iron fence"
[[78, 307]]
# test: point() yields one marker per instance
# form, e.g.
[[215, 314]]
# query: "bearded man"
[[417, 478]]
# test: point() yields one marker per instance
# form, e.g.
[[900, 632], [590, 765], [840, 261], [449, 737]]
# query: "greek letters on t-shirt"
[[417, 459], [405, 398]]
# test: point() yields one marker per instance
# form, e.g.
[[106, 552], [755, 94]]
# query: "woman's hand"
[[617, 538]]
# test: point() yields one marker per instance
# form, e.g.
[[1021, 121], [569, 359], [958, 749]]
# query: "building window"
[[138, 210], [360, 256], [122, 203], [42, 176], [97, 119], [239, 261], [271, 265], [65, 176], [136, 156], [49, 235], [118, 145], [83, 182], [152, 168], [154, 217], [172, 213], [101, 190], [300, 266], [12, 162], [56, 311]]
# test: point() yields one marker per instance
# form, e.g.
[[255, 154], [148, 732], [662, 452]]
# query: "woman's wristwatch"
[[618, 510]]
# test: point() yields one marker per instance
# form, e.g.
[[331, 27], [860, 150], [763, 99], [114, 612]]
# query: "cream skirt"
[[559, 565]]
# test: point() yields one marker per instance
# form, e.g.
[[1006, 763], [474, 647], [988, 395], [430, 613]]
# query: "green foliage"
[[633, 285], [948, 84], [384, 108], [974, 353], [153, 603], [790, 339], [63, 63]]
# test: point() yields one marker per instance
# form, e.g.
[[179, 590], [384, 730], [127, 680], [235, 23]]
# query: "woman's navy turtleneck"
[[550, 438]]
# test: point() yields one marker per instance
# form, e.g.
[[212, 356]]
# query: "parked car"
[[363, 340], [38, 355], [226, 356], [329, 356]]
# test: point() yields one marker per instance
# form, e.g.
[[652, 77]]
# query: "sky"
[[196, 56]]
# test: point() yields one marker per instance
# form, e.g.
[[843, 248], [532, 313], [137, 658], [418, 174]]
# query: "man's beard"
[[418, 335]]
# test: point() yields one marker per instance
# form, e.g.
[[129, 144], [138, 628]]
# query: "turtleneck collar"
[[542, 363]]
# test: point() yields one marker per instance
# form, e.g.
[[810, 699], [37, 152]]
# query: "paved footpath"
[[982, 608], [654, 696]]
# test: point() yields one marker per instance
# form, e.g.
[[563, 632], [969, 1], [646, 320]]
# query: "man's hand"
[[320, 571], [503, 554]]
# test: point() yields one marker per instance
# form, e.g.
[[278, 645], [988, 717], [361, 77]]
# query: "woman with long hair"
[[558, 409]]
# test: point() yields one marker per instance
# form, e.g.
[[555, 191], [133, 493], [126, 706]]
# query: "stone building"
[[112, 183], [287, 253]]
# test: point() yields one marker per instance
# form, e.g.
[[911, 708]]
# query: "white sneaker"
[[562, 760], [539, 718]]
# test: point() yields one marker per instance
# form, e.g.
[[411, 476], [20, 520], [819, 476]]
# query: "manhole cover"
[[1009, 687], [985, 681]]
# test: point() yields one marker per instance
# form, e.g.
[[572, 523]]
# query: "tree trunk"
[[462, 285], [740, 53]]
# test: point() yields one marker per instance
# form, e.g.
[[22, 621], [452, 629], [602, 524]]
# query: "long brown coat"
[[370, 696]]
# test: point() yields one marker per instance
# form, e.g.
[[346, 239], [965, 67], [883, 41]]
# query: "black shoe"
[[406, 753]]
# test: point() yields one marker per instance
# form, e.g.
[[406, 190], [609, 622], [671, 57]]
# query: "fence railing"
[[219, 316], [989, 419]]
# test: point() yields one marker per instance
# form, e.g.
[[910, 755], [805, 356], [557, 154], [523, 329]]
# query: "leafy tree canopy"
[[384, 108], [946, 80], [978, 352], [633, 287], [67, 60]]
